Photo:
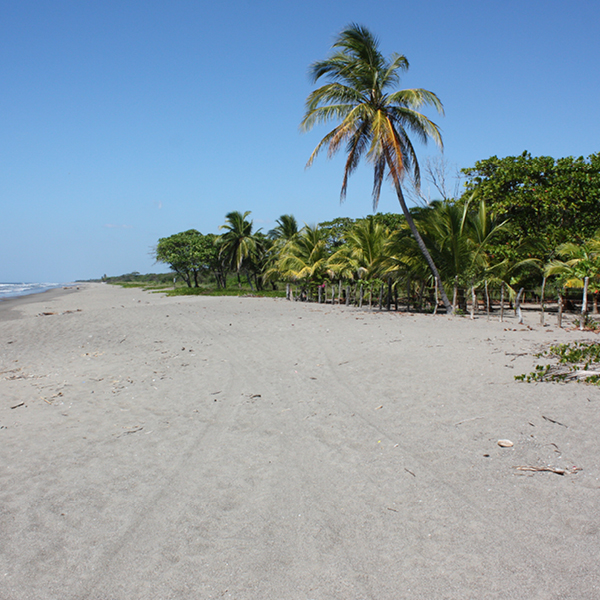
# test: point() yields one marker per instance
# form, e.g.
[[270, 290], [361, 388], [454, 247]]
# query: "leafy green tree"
[[335, 230], [557, 201], [375, 121], [189, 254]]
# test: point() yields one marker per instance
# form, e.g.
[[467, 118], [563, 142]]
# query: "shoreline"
[[13, 303], [200, 447]]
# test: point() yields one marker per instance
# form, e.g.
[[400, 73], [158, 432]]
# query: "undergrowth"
[[579, 361]]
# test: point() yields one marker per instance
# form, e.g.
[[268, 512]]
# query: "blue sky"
[[126, 121]]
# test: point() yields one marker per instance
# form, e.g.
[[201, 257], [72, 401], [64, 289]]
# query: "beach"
[[219, 447]]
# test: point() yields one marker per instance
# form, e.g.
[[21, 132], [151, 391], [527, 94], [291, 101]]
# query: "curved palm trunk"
[[422, 247]]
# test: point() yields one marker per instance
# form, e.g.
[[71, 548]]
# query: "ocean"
[[13, 290]]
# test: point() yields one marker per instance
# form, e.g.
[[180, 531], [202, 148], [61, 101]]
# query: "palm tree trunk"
[[560, 309], [584, 304], [487, 301], [435, 297], [340, 292], [381, 296], [422, 246], [518, 306], [360, 297], [347, 295], [455, 293], [473, 300], [502, 303]]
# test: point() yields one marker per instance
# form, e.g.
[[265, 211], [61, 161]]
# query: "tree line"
[[519, 221], [522, 223]]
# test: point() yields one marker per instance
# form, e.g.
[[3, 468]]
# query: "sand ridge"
[[201, 447]]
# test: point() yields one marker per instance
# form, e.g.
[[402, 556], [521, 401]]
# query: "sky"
[[125, 121]]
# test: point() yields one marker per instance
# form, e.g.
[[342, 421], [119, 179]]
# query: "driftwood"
[[549, 470]]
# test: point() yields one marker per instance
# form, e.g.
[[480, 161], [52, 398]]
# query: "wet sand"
[[190, 447]]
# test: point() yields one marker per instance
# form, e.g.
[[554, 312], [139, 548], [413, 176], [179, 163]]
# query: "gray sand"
[[196, 448]]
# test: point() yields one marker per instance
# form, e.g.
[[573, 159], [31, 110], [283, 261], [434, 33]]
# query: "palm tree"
[[374, 119], [287, 228], [238, 245], [582, 263], [362, 253], [304, 258]]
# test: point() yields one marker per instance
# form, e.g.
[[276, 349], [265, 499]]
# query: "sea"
[[13, 290]]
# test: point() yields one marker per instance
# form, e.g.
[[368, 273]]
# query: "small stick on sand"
[[549, 469]]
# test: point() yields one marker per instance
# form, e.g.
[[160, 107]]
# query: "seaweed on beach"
[[579, 361]]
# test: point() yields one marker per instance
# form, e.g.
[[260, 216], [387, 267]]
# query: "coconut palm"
[[363, 253], [363, 250], [287, 228], [238, 245], [304, 258], [581, 263], [375, 120]]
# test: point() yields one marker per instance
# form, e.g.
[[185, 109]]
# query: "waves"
[[13, 290]]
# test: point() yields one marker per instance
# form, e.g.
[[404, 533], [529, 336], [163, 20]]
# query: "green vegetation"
[[575, 362], [137, 280]]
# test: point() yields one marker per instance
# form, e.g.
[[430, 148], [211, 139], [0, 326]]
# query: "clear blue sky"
[[126, 121]]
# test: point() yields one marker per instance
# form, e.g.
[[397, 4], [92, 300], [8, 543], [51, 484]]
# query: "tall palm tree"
[[375, 120], [238, 245]]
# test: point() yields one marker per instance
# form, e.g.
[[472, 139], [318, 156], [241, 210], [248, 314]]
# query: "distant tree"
[[189, 254]]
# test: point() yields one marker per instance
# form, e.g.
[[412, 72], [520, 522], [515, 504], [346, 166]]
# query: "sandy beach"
[[257, 449]]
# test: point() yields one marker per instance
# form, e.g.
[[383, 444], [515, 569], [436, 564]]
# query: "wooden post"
[[542, 315], [560, 310]]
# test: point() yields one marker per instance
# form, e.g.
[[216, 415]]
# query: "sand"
[[189, 447]]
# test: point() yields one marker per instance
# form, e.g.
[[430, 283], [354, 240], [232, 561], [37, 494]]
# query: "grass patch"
[[204, 291]]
